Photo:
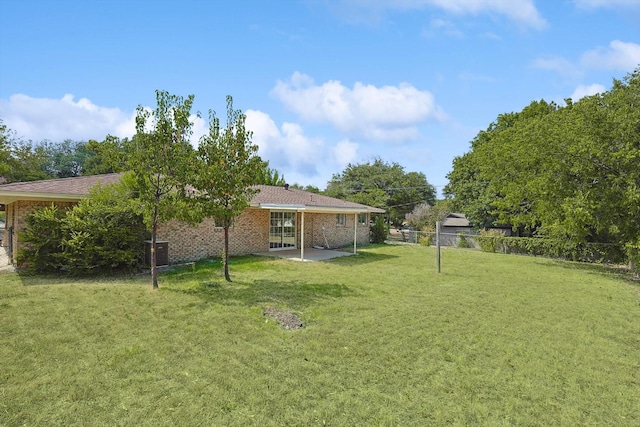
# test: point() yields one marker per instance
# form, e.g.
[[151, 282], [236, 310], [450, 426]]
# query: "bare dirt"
[[286, 319]]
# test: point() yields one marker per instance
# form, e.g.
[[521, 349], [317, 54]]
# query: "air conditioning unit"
[[162, 252]]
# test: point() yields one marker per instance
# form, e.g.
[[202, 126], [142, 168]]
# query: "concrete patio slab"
[[310, 254]]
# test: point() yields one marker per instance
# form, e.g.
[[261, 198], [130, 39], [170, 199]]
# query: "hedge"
[[555, 248]]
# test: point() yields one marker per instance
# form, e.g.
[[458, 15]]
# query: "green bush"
[[425, 240], [379, 230], [633, 255], [553, 248], [464, 241], [43, 240], [102, 234], [489, 240]]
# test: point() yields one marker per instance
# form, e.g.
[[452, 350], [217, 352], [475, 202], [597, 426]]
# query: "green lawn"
[[492, 340]]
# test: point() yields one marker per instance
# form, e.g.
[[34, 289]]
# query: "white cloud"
[[286, 147], [60, 119], [345, 152], [618, 56], [557, 64], [448, 28], [38, 119], [523, 12], [583, 90], [388, 113]]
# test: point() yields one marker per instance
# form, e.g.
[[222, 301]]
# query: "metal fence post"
[[438, 245]]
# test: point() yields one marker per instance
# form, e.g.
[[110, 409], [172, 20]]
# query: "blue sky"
[[323, 82]]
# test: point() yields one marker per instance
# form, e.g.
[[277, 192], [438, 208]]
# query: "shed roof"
[[456, 220]]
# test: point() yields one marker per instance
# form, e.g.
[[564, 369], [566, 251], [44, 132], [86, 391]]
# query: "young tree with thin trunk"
[[227, 166], [159, 155]]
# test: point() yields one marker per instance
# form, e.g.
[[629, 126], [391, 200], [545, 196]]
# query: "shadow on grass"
[[34, 279], [606, 270], [206, 281], [294, 295], [362, 257]]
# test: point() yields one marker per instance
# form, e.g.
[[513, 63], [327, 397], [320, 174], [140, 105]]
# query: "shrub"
[[102, 234], [489, 240], [379, 230], [464, 241], [43, 240], [633, 255], [554, 248]]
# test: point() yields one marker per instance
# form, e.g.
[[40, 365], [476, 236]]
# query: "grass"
[[493, 340]]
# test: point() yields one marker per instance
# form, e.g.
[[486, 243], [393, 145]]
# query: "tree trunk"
[[154, 232], [226, 253]]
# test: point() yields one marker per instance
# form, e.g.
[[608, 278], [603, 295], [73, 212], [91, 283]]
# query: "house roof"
[[456, 220], [269, 197], [62, 189]]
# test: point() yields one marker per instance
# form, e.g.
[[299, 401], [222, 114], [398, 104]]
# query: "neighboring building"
[[457, 223], [278, 218]]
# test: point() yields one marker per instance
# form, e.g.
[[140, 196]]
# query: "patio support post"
[[355, 232], [302, 237]]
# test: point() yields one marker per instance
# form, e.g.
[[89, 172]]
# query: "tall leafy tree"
[[569, 172], [28, 162], [383, 185], [106, 156], [227, 166], [268, 176], [159, 156], [5, 152], [65, 159]]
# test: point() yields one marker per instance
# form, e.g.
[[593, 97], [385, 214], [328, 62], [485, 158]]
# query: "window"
[[341, 219], [362, 219]]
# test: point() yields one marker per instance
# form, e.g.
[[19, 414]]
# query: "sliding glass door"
[[282, 230]]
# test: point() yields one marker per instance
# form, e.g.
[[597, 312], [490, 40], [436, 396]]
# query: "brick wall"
[[250, 234], [337, 235]]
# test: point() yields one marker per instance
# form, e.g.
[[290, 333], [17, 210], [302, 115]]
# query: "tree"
[[107, 156], [268, 176], [382, 185], [65, 159], [425, 216], [227, 166], [565, 172], [28, 162], [5, 152], [159, 156], [309, 188]]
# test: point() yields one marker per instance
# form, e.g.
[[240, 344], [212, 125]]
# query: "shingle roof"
[[456, 220], [271, 195], [77, 187]]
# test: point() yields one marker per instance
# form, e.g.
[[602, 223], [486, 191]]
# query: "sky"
[[323, 83]]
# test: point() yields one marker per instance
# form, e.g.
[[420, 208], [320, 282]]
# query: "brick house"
[[279, 218]]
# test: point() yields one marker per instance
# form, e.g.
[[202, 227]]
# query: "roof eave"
[[313, 209], [7, 197]]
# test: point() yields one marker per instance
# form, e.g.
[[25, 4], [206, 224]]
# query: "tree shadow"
[[606, 270], [362, 257], [295, 295]]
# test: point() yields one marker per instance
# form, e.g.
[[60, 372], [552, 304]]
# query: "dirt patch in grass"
[[286, 319]]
